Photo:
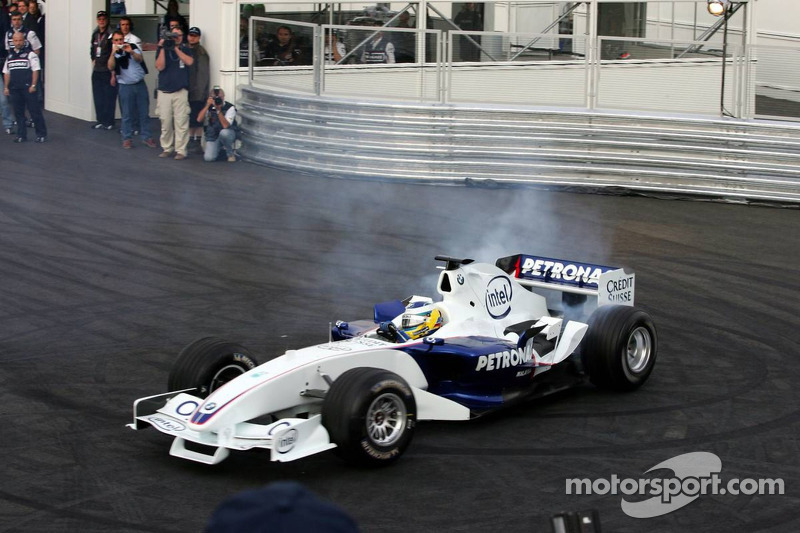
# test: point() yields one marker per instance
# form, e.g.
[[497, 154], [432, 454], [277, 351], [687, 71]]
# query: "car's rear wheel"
[[620, 347], [209, 363], [370, 415]]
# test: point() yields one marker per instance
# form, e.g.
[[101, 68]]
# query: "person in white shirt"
[[126, 27]]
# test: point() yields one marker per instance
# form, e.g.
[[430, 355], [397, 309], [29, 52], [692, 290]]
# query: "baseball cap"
[[194, 30], [280, 507], [102, 13]]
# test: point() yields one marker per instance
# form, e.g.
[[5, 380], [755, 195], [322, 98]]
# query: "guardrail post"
[[592, 57], [318, 60]]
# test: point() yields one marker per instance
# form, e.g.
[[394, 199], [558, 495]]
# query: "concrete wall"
[[69, 68]]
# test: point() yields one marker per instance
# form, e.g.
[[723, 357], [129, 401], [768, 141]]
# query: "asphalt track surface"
[[113, 260]]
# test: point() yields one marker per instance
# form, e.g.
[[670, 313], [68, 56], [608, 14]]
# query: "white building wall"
[[72, 21], [69, 68]]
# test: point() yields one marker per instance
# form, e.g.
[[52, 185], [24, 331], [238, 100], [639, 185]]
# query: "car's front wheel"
[[209, 363], [620, 347], [370, 415]]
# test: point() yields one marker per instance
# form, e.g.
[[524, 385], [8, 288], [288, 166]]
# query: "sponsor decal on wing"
[[559, 271]]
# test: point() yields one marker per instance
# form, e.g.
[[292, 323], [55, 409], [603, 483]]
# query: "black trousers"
[[20, 99], [105, 97]]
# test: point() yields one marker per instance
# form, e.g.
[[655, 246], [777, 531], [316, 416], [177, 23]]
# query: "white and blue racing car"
[[522, 328]]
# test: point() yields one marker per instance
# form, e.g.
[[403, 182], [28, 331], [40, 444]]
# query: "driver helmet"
[[420, 321]]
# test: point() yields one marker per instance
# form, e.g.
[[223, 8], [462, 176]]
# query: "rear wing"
[[610, 285]]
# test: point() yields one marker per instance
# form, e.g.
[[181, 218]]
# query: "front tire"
[[620, 347], [370, 414], [209, 363]]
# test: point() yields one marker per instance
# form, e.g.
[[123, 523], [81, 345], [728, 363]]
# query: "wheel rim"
[[224, 375], [386, 419], [640, 347]]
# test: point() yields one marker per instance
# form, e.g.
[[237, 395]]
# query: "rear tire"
[[207, 364], [620, 347], [370, 414]]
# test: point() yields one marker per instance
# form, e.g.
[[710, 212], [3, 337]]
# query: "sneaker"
[[9, 131], [127, 144], [165, 154], [19, 140], [150, 143], [40, 139], [231, 159], [108, 127], [135, 133], [97, 126], [179, 157]]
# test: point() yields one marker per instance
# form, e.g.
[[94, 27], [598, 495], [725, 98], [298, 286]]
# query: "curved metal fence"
[[485, 107], [723, 158]]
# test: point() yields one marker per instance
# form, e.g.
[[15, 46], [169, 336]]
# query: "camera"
[[169, 39], [218, 101]]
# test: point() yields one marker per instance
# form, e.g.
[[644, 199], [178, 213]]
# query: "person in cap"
[[104, 82], [219, 118], [280, 507], [173, 59], [199, 85]]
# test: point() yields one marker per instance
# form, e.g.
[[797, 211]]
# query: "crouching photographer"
[[220, 125]]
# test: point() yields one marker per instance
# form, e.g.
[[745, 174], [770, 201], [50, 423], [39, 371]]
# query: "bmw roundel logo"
[[460, 279]]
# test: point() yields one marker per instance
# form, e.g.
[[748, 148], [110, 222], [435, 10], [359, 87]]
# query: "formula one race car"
[[490, 342]]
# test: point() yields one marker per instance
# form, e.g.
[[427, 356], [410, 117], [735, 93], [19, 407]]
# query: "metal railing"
[[540, 70], [615, 114]]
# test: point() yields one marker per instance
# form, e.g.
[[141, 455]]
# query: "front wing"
[[288, 438]]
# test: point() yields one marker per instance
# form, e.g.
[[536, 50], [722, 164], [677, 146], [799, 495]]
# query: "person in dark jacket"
[[173, 59], [20, 74], [199, 85], [104, 83]]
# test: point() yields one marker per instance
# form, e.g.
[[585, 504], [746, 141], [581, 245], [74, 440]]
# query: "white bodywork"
[[477, 299]]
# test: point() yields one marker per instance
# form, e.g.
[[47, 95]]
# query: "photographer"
[[134, 101], [221, 125], [173, 60]]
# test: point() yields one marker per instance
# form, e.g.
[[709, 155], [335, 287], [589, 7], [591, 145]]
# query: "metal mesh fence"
[[666, 76], [516, 68], [383, 63], [282, 53]]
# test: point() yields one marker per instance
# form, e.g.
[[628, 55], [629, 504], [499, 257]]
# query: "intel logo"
[[286, 441], [498, 297], [166, 424]]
